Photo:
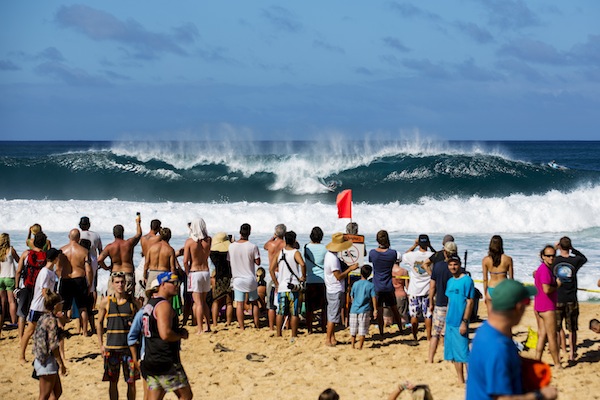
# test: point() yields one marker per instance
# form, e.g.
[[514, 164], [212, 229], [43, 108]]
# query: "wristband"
[[538, 395], [466, 321]]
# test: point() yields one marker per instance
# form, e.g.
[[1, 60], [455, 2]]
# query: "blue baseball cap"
[[166, 277]]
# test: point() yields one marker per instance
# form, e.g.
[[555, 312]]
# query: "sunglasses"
[[176, 283], [550, 255], [117, 274]]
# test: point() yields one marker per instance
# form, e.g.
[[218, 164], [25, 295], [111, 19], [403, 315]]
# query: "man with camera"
[[335, 283], [288, 273]]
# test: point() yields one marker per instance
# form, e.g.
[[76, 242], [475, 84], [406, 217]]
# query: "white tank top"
[[7, 267], [284, 275]]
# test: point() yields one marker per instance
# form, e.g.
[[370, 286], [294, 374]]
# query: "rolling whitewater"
[[470, 189]]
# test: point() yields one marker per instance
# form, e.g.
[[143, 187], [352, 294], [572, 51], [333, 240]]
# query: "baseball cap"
[[166, 277], [450, 248], [454, 257], [508, 293]]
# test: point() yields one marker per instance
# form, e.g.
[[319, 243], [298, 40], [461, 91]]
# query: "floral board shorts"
[[113, 359], [171, 382]]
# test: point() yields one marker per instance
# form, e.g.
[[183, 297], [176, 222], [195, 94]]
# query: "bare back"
[[273, 248], [121, 255], [73, 260], [497, 273], [196, 253], [160, 257], [149, 240]]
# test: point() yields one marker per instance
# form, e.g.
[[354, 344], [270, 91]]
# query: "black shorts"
[[74, 289], [314, 297], [386, 299], [271, 305], [570, 313], [24, 298]]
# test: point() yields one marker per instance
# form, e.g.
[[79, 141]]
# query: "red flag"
[[344, 204]]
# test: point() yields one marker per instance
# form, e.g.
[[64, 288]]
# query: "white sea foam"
[[527, 223], [551, 212]]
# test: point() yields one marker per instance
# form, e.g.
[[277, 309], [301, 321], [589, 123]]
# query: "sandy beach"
[[300, 370]]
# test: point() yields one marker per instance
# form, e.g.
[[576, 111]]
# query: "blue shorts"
[[289, 303], [50, 368], [241, 296], [456, 346], [34, 316]]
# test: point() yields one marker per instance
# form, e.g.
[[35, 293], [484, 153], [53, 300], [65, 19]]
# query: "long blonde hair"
[[4, 246]]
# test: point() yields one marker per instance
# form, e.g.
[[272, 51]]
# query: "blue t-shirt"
[[362, 293], [441, 274], [383, 262], [314, 256], [494, 367], [458, 291], [135, 335]]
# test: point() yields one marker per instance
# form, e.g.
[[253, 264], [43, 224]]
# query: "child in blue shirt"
[[363, 302]]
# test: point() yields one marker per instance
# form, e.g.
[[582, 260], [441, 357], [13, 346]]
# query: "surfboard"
[[330, 185], [554, 165]]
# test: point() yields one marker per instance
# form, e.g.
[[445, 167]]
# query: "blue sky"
[[466, 69]]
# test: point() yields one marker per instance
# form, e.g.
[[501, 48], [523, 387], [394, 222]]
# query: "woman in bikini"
[[498, 265]]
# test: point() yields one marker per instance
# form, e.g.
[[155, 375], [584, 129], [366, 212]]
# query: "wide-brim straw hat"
[[220, 242], [152, 288], [338, 243]]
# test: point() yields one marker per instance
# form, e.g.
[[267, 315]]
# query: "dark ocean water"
[[470, 189], [276, 172]]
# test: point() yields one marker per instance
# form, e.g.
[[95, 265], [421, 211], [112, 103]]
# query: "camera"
[[294, 287]]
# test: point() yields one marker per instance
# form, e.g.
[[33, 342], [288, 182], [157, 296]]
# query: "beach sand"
[[300, 370]]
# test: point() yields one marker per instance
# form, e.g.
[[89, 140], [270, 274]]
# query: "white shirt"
[[284, 275], [46, 279], [94, 238], [7, 267], [242, 257], [332, 263], [419, 278]]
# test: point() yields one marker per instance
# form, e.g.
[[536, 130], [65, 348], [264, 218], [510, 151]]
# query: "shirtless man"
[[146, 241], [400, 286], [121, 254], [196, 251], [160, 257], [274, 247], [76, 277]]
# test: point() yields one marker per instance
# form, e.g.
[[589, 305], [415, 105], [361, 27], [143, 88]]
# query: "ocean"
[[472, 190]]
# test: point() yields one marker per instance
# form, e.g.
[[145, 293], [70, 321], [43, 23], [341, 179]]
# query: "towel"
[[198, 229]]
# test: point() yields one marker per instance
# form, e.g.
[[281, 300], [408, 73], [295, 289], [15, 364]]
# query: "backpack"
[[36, 260]]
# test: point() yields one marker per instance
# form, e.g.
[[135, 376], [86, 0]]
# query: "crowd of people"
[[142, 310]]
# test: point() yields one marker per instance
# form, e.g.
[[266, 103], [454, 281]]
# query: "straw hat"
[[220, 242], [152, 288], [338, 243]]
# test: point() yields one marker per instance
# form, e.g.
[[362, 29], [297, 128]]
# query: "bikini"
[[491, 289]]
